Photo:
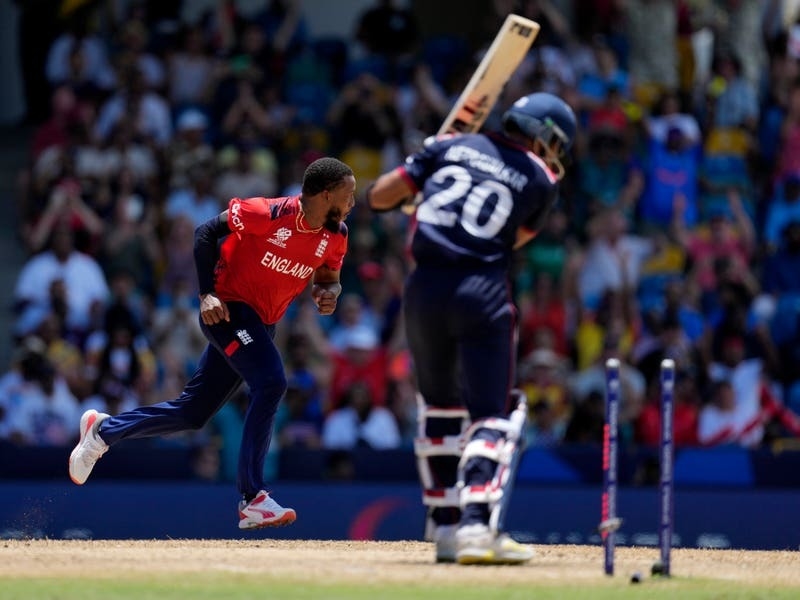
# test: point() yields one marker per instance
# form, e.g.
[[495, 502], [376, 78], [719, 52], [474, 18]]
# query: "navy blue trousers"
[[461, 327], [239, 349]]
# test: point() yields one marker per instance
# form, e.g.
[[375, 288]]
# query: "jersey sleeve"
[[536, 219], [250, 216], [338, 248], [419, 165]]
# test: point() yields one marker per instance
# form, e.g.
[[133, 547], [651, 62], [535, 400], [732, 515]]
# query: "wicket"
[[609, 521]]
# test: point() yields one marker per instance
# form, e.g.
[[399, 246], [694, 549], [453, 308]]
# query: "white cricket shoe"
[[477, 545], [445, 538], [89, 449], [263, 511]]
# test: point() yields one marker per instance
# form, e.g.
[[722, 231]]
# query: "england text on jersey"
[[286, 266]]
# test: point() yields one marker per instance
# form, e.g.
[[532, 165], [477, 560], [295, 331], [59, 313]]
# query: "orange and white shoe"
[[89, 449], [263, 511]]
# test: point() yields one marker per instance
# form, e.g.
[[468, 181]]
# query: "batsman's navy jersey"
[[478, 190], [268, 260], [460, 316]]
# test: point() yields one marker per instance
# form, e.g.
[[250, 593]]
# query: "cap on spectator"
[[361, 337], [543, 357], [192, 119]]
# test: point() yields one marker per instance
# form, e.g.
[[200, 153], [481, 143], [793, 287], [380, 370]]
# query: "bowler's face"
[[341, 201]]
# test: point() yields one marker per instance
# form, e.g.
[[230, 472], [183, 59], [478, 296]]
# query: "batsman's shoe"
[[445, 539], [89, 449], [477, 545], [263, 511]]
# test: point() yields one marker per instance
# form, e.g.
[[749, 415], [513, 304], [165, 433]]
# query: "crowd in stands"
[[677, 234]]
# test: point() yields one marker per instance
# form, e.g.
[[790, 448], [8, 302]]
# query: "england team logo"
[[323, 243], [243, 336]]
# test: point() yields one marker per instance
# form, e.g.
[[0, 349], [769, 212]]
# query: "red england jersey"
[[266, 262]]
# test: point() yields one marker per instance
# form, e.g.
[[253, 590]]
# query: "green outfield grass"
[[238, 587]]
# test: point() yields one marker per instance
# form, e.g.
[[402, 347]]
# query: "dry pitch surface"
[[386, 562]]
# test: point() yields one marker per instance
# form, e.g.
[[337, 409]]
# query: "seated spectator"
[[149, 111], [297, 424], [737, 106], [241, 177], [175, 330], [66, 208], [360, 422], [591, 381], [607, 75], [390, 33], [607, 175], [352, 317], [684, 418], [614, 319], [190, 69], [112, 398], [55, 132], [363, 360], [130, 244], [78, 58], [189, 149], [542, 379], [544, 311], [134, 49], [36, 406], [196, 202], [83, 282], [783, 208], [179, 257]]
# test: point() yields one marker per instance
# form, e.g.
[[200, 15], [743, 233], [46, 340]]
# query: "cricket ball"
[[636, 577]]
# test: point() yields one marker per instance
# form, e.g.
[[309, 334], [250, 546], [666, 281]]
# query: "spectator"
[[197, 201], [651, 28], [79, 58], [134, 49], [296, 425], [360, 421], [35, 402], [189, 148], [542, 380], [589, 382], [721, 239], [84, 283], [240, 175], [543, 318], [149, 111], [389, 33], [190, 70], [613, 258], [362, 360], [684, 419], [782, 209]]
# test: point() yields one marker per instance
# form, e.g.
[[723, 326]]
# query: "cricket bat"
[[476, 101], [478, 98]]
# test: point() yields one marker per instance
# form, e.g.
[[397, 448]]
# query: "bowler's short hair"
[[324, 174]]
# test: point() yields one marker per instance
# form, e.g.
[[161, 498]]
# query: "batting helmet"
[[546, 118]]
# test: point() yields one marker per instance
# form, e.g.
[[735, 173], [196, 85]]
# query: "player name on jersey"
[[488, 164]]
